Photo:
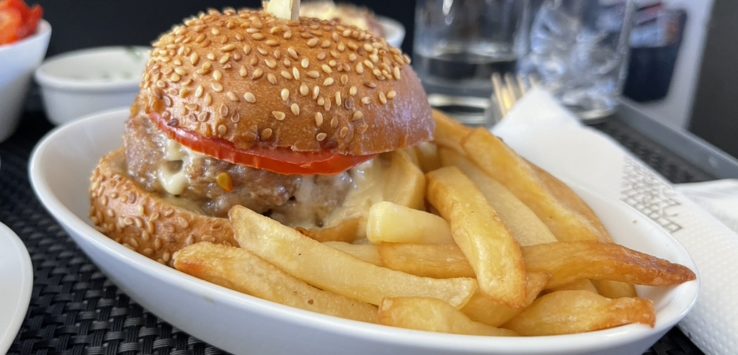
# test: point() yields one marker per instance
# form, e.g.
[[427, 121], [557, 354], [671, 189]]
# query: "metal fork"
[[507, 89]]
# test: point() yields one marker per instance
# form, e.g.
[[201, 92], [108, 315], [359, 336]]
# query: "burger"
[[295, 119]]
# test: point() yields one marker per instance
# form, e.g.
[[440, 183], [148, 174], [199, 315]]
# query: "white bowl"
[[17, 62], [78, 83], [60, 169], [394, 32]]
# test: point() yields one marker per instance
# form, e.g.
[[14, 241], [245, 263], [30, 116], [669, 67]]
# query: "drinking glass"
[[578, 50], [458, 44]]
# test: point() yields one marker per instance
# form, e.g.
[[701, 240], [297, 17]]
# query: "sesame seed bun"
[[143, 221], [308, 85]]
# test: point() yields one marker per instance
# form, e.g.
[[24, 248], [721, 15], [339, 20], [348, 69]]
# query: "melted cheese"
[[175, 181], [368, 189]]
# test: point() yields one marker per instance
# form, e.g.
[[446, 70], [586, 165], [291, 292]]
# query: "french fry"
[[430, 260], [432, 315], [333, 270], [524, 225], [483, 308], [366, 252], [570, 261], [567, 312], [563, 212], [388, 222], [449, 132], [480, 234], [240, 270], [579, 285], [427, 153], [404, 182], [346, 231]]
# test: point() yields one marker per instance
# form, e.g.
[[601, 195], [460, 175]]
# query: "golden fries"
[[404, 182], [485, 241], [449, 132], [366, 252], [431, 260], [566, 312], [524, 225], [238, 269], [427, 153], [432, 315], [483, 308], [333, 270], [388, 222], [572, 261]]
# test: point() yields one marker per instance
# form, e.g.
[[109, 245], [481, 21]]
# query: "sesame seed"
[[344, 79], [334, 122], [242, 71], [313, 74], [175, 78], [271, 63], [352, 57], [246, 49], [224, 59], [326, 69], [208, 99], [368, 47], [253, 60], [391, 94], [321, 101], [272, 43], [305, 63], [210, 56], [217, 75], [285, 94], [266, 133], [374, 58], [359, 68], [292, 52], [341, 47], [198, 91], [224, 110], [278, 115], [321, 55], [214, 31], [328, 81], [277, 53], [368, 63], [295, 109], [343, 132], [216, 87], [325, 44], [321, 136], [295, 73], [249, 97], [287, 35], [312, 42], [285, 74], [232, 96], [304, 90], [318, 119], [228, 47], [257, 36], [286, 62], [261, 51], [352, 91], [370, 84], [327, 105], [366, 100], [272, 79], [194, 58], [316, 91], [338, 98], [357, 115], [396, 72], [257, 73], [382, 98]]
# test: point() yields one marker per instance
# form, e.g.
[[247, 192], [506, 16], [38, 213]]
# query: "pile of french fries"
[[502, 249]]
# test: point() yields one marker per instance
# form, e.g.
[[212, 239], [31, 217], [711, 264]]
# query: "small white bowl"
[[394, 32], [60, 170], [17, 62], [78, 83]]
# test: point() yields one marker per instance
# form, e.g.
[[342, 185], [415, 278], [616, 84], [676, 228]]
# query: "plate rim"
[[7, 336], [603, 339]]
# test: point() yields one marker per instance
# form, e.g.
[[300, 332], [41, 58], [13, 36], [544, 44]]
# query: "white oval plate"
[[16, 283], [60, 170]]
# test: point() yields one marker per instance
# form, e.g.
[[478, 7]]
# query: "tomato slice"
[[10, 23], [30, 22], [281, 161]]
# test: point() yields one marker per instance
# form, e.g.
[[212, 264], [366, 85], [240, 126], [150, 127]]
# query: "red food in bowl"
[[18, 20]]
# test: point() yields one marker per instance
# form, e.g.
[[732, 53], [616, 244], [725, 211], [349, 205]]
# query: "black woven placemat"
[[75, 309]]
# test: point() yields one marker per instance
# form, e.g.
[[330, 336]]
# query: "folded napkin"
[[719, 197], [550, 136]]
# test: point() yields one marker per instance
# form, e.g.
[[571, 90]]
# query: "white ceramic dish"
[[394, 32], [78, 83], [16, 282], [17, 62], [60, 169]]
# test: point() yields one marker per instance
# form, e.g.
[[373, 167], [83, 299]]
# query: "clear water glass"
[[578, 49]]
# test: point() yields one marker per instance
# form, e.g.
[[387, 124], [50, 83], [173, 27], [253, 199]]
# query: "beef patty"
[[163, 166]]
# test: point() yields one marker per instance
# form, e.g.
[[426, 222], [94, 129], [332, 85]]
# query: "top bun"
[[308, 85]]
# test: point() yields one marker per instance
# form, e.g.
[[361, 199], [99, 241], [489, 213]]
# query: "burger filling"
[[213, 186]]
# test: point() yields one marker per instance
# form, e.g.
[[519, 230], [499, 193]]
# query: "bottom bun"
[[145, 222]]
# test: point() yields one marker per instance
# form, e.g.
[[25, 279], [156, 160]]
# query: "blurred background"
[[681, 70]]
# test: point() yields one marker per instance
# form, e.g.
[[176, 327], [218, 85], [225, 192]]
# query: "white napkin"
[[545, 133], [719, 197]]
